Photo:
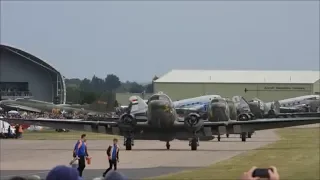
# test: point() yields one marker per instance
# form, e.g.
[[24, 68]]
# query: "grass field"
[[53, 135], [296, 156]]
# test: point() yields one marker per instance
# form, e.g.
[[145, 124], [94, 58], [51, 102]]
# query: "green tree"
[[88, 97], [73, 82], [97, 84], [85, 85], [136, 88], [73, 95], [112, 82]]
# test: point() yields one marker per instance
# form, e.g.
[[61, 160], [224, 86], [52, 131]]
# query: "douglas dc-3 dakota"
[[162, 122]]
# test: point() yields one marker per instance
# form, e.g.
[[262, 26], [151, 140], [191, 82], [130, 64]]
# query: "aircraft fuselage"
[[161, 114]]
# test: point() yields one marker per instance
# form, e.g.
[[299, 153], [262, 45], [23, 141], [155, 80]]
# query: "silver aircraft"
[[162, 122], [301, 105]]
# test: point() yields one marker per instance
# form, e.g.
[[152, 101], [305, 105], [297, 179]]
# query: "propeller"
[[243, 117], [193, 120], [127, 120]]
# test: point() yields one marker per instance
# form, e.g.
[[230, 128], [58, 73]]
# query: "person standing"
[[20, 131], [113, 156], [82, 138], [17, 131], [81, 153]]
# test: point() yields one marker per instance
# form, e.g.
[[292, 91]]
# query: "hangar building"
[[25, 75], [265, 85]]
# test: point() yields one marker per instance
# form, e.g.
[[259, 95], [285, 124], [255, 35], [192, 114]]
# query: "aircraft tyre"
[[219, 137], [243, 137], [249, 135], [227, 135], [168, 145], [128, 144], [194, 144]]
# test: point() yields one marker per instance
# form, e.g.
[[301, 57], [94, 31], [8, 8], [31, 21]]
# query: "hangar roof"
[[39, 62], [239, 76], [30, 57]]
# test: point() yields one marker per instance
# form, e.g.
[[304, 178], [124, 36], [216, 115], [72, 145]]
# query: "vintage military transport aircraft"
[[162, 123]]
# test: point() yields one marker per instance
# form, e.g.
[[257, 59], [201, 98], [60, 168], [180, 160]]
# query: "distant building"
[[25, 75], [266, 85]]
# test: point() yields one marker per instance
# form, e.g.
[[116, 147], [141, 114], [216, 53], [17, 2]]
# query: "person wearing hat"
[[63, 173], [113, 156]]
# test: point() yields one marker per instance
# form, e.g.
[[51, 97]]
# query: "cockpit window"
[[215, 100], [159, 97], [313, 98]]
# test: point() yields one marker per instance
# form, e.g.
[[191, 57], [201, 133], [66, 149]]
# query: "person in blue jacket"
[[113, 156], [81, 153]]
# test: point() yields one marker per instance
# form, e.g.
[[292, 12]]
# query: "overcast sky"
[[137, 40]]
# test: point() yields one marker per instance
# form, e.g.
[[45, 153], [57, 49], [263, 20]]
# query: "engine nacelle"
[[193, 122], [245, 117], [127, 121], [271, 113]]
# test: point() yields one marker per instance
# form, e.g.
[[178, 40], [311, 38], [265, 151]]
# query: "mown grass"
[[71, 135], [296, 156]]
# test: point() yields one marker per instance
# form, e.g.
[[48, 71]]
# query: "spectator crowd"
[[68, 173]]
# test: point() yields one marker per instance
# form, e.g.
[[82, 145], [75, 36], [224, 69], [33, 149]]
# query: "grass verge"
[[296, 156], [72, 135]]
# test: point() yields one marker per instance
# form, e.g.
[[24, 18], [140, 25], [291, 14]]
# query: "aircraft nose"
[[159, 105], [218, 111], [160, 113], [217, 104]]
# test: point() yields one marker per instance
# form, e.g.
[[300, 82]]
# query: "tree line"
[[82, 91]]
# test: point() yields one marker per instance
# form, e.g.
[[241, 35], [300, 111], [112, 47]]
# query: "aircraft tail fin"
[[137, 105], [241, 103], [276, 107]]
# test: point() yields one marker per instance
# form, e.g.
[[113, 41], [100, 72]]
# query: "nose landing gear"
[[128, 142], [168, 145], [194, 143]]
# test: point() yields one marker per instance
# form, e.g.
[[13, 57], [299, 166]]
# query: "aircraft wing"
[[264, 124], [26, 108], [73, 124]]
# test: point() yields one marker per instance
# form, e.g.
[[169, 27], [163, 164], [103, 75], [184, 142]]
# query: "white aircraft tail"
[[241, 103], [276, 107], [137, 105]]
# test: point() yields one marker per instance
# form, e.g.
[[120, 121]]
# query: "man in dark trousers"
[[113, 156], [81, 153]]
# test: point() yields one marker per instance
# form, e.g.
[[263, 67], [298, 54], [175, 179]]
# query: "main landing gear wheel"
[[249, 135], [128, 144], [243, 137], [227, 135], [168, 145], [219, 137], [194, 144]]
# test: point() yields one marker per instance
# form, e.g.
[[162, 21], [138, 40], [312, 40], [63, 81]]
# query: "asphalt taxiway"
[[147, 159]]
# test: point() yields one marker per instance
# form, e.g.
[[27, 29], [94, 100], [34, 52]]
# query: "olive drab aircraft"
[[163, 123], [42, 106]]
